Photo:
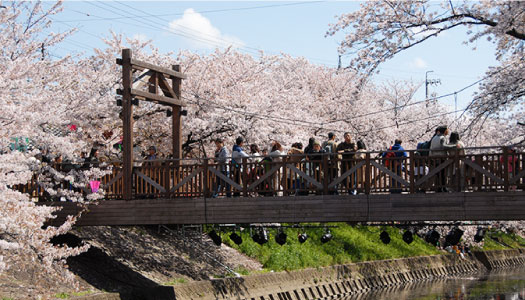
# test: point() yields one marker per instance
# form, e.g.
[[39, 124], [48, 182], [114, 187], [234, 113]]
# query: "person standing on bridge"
[[348, 148], [396, 164], [453, 173], [330, 147], [438, 153], [221, 158], [237, 155]]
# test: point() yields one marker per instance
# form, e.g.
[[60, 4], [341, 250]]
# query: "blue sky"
[[295, 28]]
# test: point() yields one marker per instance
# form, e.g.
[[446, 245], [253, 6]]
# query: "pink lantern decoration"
[[95, 184]]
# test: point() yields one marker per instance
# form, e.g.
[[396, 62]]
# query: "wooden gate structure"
[[155, 79]]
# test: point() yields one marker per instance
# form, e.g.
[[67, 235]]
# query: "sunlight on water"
[[498, 285]]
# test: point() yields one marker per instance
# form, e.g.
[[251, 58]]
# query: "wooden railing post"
[[457, 167], [367, 173], [284, 178], [206, 179], [245, 177], [506, 169], [167, 178], [326, 174], [412, 161]]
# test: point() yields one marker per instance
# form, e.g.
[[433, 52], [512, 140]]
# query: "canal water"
[[506, 284]]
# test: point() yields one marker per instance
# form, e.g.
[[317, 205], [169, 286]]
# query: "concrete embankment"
[[337, 281]]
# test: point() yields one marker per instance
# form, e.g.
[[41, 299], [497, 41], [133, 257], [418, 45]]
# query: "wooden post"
[[506, 168], [176, 117], [206, 181], [244, 177], [412, 159], [367, 173], [326, 176], [176, 126], [127, 125]]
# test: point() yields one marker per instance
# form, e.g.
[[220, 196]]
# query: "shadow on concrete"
[[107, 274]]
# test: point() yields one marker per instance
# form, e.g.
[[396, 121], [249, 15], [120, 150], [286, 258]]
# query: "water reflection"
[[498, 285]]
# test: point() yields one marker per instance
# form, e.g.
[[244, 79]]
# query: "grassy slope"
[[349, 244]]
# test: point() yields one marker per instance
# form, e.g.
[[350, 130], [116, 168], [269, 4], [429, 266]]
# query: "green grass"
[[175, 281], [349, 244], [68, 295], [498, 240]]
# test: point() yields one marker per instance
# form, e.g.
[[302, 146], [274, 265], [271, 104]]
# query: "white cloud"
[[418, 63], [199, 31]]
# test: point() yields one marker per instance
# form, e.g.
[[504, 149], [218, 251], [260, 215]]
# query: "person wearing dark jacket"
[[394, 161], [347, 148]]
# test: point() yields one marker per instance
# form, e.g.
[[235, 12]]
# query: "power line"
[[180, 14], [185, 31]]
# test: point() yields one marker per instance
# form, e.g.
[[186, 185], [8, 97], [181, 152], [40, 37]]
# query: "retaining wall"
[[336, 281]]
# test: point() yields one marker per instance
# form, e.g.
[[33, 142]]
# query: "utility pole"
[[430, 82], [339, 63]]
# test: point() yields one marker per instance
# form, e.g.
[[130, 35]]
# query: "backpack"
[[389, 154], [330, 147], [425, 146]]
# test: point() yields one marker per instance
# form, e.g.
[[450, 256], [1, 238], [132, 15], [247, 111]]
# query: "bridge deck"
[[299, 209]]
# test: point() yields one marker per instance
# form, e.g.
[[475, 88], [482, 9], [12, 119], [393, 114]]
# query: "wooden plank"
[[482, 170], [112, 181], [165, 87], [157, 98], [389, 172], [346, 174], [517, 177], [186, 179], [303, 175], [225, 178], [150, 181], [434, 171], [264, 177], [137, 64]]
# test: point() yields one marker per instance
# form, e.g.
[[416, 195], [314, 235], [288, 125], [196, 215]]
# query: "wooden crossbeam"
[[305, 176], [225, 178], [264, 177], [517, 176], [346, 174], [186, 179], [141, 65], [433, 172], [113, 180], [389, 172], [154, 97], [166, 87], [482, 170], [150, 181]]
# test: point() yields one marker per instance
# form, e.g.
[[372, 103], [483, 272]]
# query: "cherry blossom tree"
[[265, 98], [381, 29], [36, 96]]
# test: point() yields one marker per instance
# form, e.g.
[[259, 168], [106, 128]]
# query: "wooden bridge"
[[484, 184]]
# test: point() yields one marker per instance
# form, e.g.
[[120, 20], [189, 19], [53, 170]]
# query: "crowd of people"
[[341, 157], [325, 161]]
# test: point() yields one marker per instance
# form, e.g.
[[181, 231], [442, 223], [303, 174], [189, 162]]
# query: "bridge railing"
[[474, 169]]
